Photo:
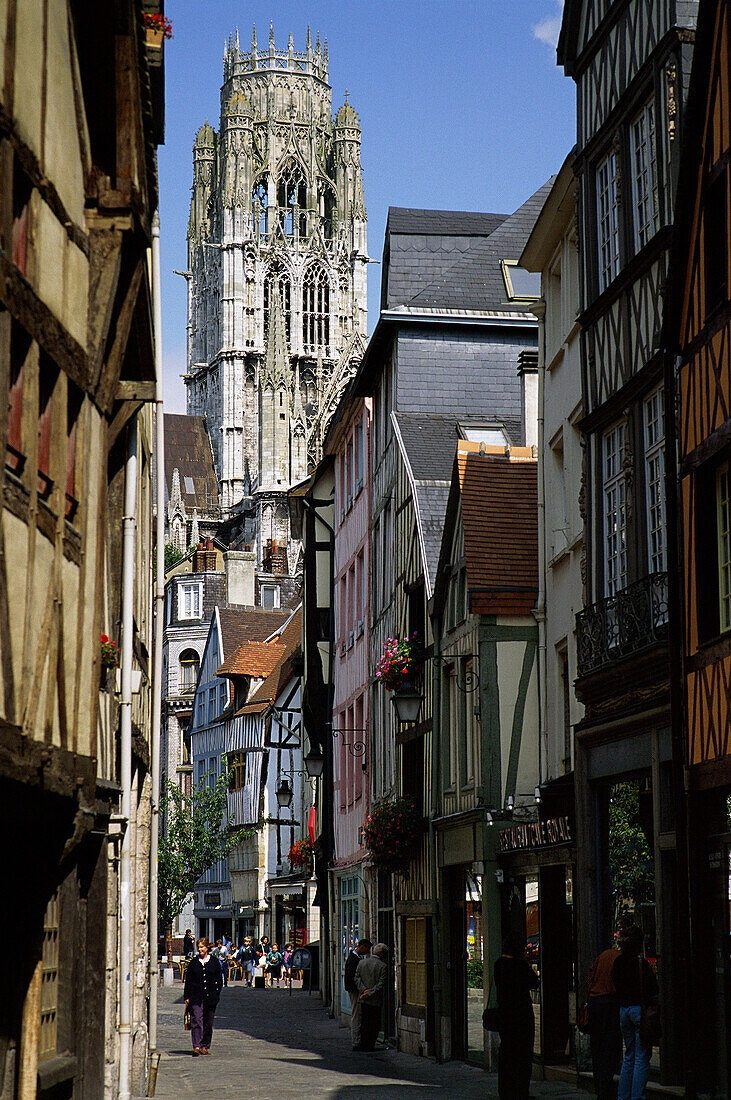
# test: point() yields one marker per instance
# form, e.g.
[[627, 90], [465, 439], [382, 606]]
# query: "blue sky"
[[461, 103]]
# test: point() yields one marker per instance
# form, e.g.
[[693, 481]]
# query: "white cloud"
[[547, 30]]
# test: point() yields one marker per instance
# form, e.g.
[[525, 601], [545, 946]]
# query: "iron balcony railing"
[[623, 624]]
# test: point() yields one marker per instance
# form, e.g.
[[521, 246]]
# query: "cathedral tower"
[[277, 262]]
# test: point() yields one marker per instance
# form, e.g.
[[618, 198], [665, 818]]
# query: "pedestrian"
[[203, 982], [370, 981], [636, 985], [188, 945], [605, 1037], [360, 951], [287, 966], [274, 964], [221, 953], [247, 957], [514, 980]]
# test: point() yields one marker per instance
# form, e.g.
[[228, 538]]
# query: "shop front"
[[287, 915], [536, 860], [213, 914]]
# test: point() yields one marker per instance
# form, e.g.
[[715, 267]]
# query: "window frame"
[[644, 175], [723, 545], [655, 509], [183, 587], [607, 220], [613, 483]]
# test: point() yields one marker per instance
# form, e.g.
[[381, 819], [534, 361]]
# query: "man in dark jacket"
[[357, 953], [203, 982], [247, 957]]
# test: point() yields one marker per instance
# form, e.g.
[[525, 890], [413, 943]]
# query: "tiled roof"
[[256, 659], [500, 519], [248, 624], [188, 449], [289, 644]]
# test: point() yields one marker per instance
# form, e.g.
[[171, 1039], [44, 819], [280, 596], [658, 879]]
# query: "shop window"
[[630, 856], [349, 924], [47, 1038], [415, 962]]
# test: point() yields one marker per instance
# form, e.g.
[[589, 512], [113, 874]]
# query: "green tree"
[[172, 555], [195, 838], [630, 859]]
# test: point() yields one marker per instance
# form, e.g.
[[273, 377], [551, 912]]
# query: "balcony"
[[622, 625]]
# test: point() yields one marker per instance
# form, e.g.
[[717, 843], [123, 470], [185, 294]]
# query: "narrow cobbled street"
[[271, 1046]]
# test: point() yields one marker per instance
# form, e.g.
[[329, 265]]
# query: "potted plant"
[[391, 832], [157, 29], [397, 663], [110, 658], [301, 852]]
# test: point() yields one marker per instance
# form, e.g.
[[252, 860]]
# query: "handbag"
[[186, 1018], [491, 1014], [650, 1023]]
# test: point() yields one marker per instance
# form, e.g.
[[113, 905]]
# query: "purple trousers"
[[201, 1025]]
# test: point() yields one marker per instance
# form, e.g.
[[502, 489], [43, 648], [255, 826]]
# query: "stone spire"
[[194, 532]]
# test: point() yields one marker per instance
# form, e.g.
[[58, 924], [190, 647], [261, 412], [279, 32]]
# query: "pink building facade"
[[349, 443]]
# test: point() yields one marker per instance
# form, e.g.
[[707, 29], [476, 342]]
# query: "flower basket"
[[301, 852], [391, 832], [157, 29], [397, 662], [109, 652]]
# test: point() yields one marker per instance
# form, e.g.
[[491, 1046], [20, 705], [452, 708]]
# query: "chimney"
[[204, 558], [278, 560], [240, 567], [528, 375]]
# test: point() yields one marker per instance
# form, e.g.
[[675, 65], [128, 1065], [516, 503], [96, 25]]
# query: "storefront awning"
[[286, 887]]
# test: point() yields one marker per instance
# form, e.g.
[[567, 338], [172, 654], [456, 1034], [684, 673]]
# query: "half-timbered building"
[[484, 764], [79, 125], [630, 60], [444, 361], [697, 342]]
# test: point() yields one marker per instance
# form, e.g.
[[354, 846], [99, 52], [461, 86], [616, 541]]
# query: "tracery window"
[[279, 279], [326, 208], [259, 204], [315, 309], [291, 192]]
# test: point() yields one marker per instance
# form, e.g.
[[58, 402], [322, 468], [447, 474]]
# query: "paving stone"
[[269, 1045]]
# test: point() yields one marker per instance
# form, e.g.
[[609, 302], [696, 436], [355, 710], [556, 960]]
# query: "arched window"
[[259, 203], [278, 278], [326, 208], [315, 309], [190, 664], [292, 191]]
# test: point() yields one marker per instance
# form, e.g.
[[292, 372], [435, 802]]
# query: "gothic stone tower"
[[276, 273]]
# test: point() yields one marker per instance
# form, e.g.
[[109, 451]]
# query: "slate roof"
[[499, 498], [188, 449], [456, 264], [429, 443], [289, 643], [248, 624]]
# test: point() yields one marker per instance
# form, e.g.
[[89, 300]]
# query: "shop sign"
[[535, 834], [211, 901]]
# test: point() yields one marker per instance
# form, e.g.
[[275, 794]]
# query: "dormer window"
[[190, 600]]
